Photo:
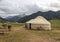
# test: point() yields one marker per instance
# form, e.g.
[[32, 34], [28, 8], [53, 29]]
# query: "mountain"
[[2, 20], [14, 18], [49, 15]]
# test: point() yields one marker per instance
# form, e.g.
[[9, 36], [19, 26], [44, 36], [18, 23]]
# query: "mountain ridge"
[[49, 15]]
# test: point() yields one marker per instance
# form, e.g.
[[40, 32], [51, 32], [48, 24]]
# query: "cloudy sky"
[[15, 7]]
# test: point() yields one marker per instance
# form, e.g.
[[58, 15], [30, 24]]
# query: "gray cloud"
[[28, 6], [56, 5], [0, 0]]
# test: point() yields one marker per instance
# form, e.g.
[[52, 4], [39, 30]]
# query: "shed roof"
[[38, 20]]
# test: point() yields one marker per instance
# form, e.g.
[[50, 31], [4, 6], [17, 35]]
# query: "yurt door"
[[30, 25]]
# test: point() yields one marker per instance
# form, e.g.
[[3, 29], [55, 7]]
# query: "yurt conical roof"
[[38, 20]]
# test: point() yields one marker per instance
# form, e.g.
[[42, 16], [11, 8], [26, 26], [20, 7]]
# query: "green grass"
[[16, 37], [15, 24], [55, 24], [24, 36], [52, 35]]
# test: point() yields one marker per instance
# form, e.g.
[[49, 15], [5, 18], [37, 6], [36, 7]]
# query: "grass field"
[[55, 24], [20, 34]]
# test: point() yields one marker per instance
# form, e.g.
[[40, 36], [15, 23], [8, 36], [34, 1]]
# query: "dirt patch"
[[41, 39], [33, 37], [56, 31]]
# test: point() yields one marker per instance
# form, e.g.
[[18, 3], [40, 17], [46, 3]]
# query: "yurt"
[[39, 23]]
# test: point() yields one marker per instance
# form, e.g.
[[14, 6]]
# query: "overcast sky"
[[15, 7]]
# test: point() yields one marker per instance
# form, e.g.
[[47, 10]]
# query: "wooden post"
[[9, 27]]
